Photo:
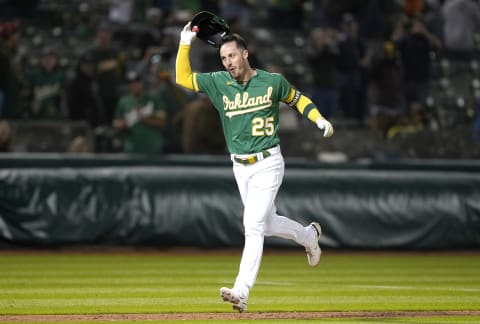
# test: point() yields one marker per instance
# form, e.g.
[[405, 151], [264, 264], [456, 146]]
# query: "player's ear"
[[245, 54]]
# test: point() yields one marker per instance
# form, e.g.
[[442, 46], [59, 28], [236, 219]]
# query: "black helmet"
[[211, 28]]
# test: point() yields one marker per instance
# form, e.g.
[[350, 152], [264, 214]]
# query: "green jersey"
[[141, 138], [46, 88], [249, 112]]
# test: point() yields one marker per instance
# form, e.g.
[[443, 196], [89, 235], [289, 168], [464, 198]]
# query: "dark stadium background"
[[279, 36]]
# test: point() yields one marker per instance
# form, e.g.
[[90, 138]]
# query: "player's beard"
[[237, 73], [234, 74]]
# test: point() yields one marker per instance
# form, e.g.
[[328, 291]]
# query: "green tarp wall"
[[187, 205]]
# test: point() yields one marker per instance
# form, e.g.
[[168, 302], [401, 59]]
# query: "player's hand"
[[327, 127], [187, 35]]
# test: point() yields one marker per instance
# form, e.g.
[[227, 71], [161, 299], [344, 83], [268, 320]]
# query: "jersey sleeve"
[[205, 82], [283, 86], [295, 99], [183, 70]]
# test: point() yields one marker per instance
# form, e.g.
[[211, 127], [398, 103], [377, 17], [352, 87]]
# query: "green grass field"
[[143, 283]]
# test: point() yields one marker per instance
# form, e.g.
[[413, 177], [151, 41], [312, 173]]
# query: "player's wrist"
[[185, 43]]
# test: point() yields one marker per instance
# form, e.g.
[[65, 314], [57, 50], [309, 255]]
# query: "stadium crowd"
[[391, 68]]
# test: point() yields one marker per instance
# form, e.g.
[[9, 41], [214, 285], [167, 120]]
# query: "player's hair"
[[241, 43]]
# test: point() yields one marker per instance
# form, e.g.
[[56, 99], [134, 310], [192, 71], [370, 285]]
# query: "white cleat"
[[238, 301], [313, 249]]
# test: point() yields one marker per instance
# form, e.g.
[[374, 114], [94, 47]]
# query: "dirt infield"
[[230, 316]]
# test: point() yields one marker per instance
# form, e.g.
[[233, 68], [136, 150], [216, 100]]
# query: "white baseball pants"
[[258, 184]]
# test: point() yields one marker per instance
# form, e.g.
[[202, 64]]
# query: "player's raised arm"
[[183, 70], [308, 109]]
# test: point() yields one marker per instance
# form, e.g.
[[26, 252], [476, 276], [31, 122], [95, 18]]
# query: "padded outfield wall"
[[193, 201]]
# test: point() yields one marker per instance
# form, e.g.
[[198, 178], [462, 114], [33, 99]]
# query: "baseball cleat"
[[238, 302], [313, 249]]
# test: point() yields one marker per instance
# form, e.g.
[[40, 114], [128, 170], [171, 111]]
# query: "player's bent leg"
[[284, 227], [307, 236]]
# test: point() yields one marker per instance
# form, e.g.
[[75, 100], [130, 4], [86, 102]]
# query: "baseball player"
[[247, 101]]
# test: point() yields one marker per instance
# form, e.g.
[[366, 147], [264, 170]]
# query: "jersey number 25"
[[263, 126]]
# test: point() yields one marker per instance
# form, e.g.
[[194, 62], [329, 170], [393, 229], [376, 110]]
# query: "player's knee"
[[252, 229]]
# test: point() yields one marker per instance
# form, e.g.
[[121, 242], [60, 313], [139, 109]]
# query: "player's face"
[[234, 59]]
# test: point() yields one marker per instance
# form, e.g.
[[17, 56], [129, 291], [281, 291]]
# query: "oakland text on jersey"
[[244, 104]]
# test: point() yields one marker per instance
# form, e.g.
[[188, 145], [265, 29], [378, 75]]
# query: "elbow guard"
[[303, 104]]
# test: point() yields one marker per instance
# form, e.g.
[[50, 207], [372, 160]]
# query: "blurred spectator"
[[153, 68], [317, 16], [5, 136], [462, 21], [166, 6], [9, 83], [140, 117], [335, 10], [85, 22], [322, 56], [415, 43], [109, 65], [194, 6], [174, 99], [140, 10], [375, 18], [417, 121], [238, 10], [413, 8], [386, 88], [151, 35], [80, 145], [433, 18], [46, 85], [351, 64], [372, 16], [202, 131], [285, 14], [83, 97], [121, 11], [20, 67]]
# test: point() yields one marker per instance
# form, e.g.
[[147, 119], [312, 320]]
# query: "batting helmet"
[[211, 28]]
